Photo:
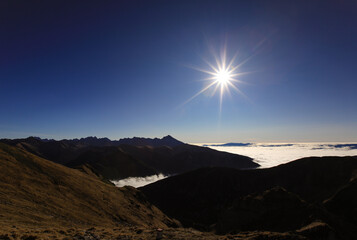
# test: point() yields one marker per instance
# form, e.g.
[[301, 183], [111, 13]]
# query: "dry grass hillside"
[[36, 192], [40, 199]]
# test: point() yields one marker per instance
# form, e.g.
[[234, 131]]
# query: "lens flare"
[[222, 77]]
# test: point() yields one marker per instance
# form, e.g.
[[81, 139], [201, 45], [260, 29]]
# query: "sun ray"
[[211, 65], [223, 58], [221, 99], [239, 91], [202, 70], [203, 90], [239, 74], [223, 75], [242, 63], [232, 61], [215, 90]]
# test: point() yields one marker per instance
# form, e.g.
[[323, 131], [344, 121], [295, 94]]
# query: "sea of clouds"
[[273, 154], [138, 181], [265, 154]]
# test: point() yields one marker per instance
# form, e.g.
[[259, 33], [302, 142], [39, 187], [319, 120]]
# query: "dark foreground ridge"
[[310, 198], [130, 157], [40, 199], [307, 195]]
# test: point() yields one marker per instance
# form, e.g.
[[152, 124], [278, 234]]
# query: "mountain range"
[[53, 189], [66, 150], [130, 157]]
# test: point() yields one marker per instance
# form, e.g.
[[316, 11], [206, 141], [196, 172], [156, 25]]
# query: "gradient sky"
[[117, 69]]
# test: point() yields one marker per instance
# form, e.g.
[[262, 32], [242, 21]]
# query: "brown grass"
[[37, 192], [140, 233], [43, 200]]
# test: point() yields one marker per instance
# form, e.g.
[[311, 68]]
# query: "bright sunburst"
[[222, 76]]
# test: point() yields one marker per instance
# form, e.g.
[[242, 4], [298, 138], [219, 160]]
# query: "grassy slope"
[[34, 191], [43, 200]]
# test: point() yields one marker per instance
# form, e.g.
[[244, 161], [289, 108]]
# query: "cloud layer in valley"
[[273, 154], [138, 181]]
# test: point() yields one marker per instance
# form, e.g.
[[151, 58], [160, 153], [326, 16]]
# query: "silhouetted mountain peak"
[[89, 138], [33, 139], [168, 137], [98, 142], [94, 141], [154, 142]]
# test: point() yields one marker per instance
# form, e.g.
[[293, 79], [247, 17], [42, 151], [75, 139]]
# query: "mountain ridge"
[[205, 198], [130, 157], [167, 140]]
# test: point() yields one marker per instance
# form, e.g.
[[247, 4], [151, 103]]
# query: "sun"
[[223, 76]]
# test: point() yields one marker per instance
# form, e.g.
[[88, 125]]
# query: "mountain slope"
[[137, 161], [111, 163], [198, 198], [274, 209], [34, 191], [344, 202], [130, 157], [66, 150]]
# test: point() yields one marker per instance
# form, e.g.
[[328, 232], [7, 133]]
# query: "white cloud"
[[138, 181], [270, 155]]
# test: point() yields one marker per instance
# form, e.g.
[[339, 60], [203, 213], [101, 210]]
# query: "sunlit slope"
[[34, 191]]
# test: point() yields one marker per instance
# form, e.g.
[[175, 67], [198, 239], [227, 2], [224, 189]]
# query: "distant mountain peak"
[[154, 142], [169, 137], [37, 139], [100, 142], [90, 138]]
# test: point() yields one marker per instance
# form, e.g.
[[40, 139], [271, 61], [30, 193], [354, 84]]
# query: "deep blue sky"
[[121, 68]]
